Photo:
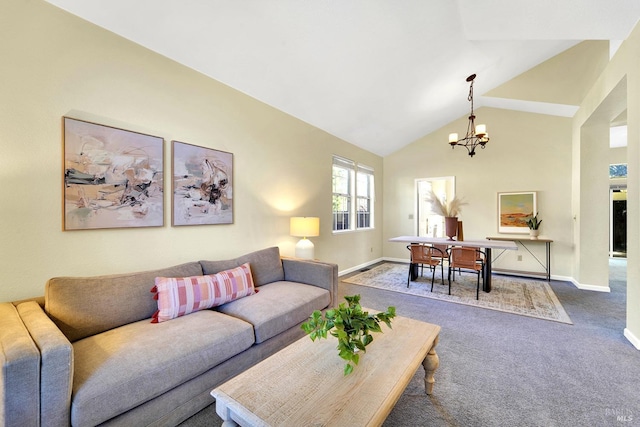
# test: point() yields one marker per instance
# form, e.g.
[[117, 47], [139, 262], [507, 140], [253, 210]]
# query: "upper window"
[[618, 170], [353, 195]]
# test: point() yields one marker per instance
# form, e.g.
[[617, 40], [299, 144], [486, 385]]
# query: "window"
[[618, 170], [364, 191], [353, 195], [343, 184]]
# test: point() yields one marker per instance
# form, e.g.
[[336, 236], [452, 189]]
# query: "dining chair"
[[480, 259], [429, 255], [442, 254], [465, 258]]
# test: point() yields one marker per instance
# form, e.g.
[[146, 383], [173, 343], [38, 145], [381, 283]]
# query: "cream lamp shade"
[[304, 226]]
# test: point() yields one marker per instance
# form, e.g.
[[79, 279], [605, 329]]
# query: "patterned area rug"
[[527, 297]]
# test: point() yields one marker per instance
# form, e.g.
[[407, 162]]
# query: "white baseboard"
[[562, 278], [632, 338], [359, 267], [402, 260], [585, 287]]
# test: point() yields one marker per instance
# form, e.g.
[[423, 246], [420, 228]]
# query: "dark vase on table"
[[451, 227]]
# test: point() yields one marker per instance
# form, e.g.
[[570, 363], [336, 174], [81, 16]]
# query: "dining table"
[[485, 244]]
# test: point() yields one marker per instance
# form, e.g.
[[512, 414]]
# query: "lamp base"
[[304, 249]]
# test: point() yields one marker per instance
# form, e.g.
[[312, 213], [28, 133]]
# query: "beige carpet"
[[526, 297]]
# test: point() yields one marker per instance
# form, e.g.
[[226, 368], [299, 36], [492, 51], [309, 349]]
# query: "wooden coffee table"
[[303, 384]]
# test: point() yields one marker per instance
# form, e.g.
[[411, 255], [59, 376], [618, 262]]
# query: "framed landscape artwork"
[[202, 185], [113, 178], [513, 211]]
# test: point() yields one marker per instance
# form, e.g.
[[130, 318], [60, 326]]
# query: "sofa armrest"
[[316, 273], [20, 374], [56, 366]]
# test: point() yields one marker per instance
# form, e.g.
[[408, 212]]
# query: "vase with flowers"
[[449, 210]]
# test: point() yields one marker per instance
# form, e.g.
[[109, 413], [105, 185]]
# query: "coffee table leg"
[[430, 363], [224, 412]]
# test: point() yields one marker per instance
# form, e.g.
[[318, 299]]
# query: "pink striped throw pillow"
[[179, 296]]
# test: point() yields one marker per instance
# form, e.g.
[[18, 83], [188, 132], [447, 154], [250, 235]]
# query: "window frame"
[[350, 218], [366, 172]]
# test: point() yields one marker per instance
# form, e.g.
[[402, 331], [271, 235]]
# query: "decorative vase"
[[451, 227], [534, 233]]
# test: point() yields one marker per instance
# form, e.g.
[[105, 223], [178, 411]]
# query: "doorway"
[[429, 224], [618, 232]]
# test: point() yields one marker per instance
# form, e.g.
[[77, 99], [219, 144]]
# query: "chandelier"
[[476, 135]]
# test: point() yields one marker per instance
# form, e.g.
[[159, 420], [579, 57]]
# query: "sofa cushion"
[[120, 369], [277, 307], [179, 296], [266, 265], [84, 306]]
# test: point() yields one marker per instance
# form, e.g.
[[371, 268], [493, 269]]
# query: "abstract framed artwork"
[[113, 178], [202, 185], [514, 209]]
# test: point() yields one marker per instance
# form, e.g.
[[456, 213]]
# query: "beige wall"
[[563, 79], [618, 155], [605, 101], [616, 89], [527, 152], [54, 64], [632, 330]]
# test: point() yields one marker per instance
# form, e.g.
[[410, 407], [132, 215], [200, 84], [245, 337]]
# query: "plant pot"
[[451, 227], [534, 233]]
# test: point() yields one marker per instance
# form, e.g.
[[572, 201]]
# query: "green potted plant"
[[534, 226], [351, 325]]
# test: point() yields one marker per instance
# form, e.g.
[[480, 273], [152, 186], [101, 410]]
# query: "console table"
[[523, 241]]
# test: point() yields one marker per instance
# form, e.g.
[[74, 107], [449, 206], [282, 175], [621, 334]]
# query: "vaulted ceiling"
[[377, 73]]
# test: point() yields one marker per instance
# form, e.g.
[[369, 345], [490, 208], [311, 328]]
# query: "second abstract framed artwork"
[[202, 187]]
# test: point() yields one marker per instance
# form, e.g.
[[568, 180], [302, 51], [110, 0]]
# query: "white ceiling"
[[377, 73]]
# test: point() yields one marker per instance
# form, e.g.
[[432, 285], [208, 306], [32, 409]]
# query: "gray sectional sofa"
[[91, 355]]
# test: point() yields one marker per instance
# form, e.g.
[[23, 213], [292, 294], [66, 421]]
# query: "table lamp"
[[304, 226]]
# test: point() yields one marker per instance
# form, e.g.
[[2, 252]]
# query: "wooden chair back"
[[464, 257], [422, 254], [440, 251]]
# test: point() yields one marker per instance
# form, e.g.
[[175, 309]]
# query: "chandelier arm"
[[471, 127]]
